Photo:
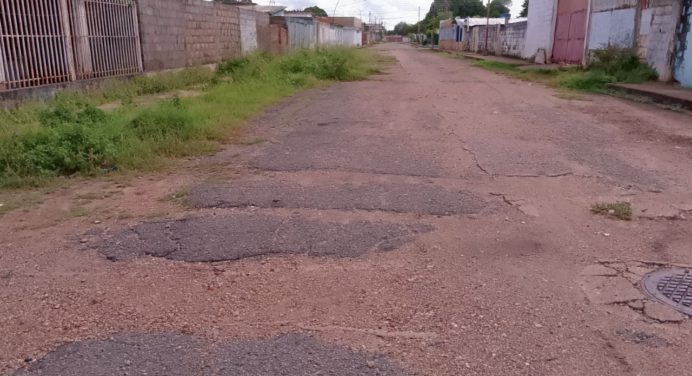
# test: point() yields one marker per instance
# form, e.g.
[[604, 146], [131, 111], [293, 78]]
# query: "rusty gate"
[[45, 42], [570, 31]]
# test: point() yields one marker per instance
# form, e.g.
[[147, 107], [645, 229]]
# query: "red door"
[[570, 31]]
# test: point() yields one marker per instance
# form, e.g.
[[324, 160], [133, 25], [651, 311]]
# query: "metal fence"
[[45, 42]]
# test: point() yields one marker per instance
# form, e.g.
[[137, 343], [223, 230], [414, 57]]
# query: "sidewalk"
[[520, 63], [659, 92], [499, 59]]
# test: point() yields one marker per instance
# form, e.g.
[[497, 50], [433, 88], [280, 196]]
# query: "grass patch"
[[620, 210], [608, 66], [179, 196], [71, 136], [78, 212], [550, 77]]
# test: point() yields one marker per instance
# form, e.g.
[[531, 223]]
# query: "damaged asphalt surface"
[[433, 220]]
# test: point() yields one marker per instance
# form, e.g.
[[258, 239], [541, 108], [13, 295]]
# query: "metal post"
[[487, 25], [81, 37], [418, 35], [2, 65], [67, 37]]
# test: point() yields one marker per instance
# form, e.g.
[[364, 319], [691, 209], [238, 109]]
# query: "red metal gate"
[[570, 31]]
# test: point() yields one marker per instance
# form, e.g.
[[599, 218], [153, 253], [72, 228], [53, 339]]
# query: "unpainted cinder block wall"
[[183, 33], [657, 32], [263, 32]]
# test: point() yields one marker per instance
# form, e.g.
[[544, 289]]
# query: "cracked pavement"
[[432, 220]]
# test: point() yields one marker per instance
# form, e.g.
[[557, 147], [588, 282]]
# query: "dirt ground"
[[433, 220]]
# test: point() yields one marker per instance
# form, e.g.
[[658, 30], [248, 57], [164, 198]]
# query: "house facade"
[[498, 36], [568, 31]]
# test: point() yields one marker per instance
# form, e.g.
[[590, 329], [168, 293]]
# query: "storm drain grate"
[[672, 287]]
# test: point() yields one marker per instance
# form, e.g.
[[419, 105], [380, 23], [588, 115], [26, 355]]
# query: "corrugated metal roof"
[[272, 9], [479, 21]]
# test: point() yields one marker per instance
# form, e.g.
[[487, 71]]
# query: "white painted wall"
[[540, 27], [657, 33], [248, 30], [612, 28]]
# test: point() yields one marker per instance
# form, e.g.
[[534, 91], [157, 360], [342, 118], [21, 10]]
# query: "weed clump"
[[70, 135], [610, 65], [620, 210]]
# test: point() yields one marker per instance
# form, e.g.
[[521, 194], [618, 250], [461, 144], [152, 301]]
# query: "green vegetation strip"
[[72, 136], [608, 66]]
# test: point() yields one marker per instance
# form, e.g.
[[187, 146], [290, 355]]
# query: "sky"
[[390, 12]]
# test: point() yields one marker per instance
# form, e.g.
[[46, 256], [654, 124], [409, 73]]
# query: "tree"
[[524, 9], [499, 7], [468, 8], [316, 11], [401, 28]]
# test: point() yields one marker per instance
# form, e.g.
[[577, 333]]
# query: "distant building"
[[499, 36]]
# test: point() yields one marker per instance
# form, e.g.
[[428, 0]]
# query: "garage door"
[[570, 31]]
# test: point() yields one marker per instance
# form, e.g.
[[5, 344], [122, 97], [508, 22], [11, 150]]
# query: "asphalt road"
[[433, 220]]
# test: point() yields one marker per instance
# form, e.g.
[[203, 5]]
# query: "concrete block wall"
[[540, 28], [612, 27], [657, 34], [278, 38], [478, 39], [162, 28], [248, 30], [263, 32], [682, 61], [176, 34], [512, 39]]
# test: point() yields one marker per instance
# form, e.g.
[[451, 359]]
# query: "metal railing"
[[45, 42]]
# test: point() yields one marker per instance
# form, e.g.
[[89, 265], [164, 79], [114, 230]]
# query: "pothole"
[[241, 235], [173, 354], [672, 287]]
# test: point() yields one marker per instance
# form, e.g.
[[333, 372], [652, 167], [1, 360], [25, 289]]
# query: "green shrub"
[[170, 119], [623, 64], [57, 148], [71, 136], [593, 80]]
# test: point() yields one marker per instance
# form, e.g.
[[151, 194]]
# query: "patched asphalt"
[[168, 354], [298, 355], [240, 235], [173, 354], [390, 197], [321, 148]]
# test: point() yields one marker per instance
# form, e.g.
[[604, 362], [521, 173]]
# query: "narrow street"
[[432, 220]]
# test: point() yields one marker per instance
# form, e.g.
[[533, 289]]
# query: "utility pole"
[[334, 13], [418, 35], [487, 26]]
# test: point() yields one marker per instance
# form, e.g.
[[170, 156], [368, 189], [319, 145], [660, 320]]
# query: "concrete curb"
[[658, 93]]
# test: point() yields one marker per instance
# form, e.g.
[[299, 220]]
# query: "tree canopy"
[[499, 7], [316, 11], [524, 9], [466, 8], [441, 9]]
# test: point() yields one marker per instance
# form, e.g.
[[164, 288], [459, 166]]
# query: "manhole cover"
[[672, 287]]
